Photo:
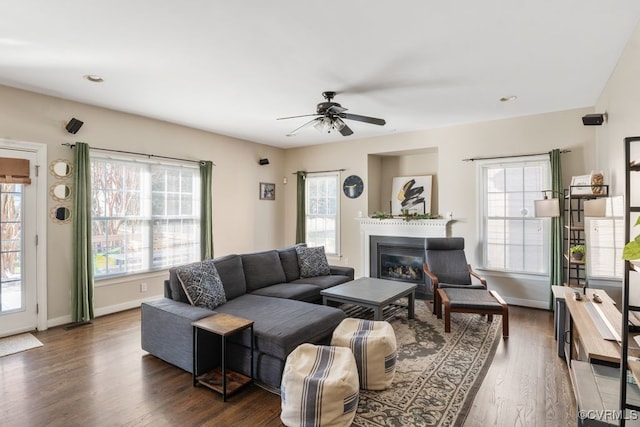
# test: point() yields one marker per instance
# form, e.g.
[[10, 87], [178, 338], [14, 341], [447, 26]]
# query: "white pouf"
[[373, 344], [319, 387]]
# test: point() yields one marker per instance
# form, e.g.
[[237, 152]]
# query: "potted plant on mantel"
[[577, 252], [631, 251]]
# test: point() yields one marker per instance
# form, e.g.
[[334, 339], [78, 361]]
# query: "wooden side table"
[[220, 379]]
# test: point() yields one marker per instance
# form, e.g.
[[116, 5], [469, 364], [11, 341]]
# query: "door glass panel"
[[11, 284]]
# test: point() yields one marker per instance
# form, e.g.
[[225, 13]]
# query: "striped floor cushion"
[[319, 387], [373, 344]]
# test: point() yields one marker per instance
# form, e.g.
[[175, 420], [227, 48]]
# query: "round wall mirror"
[[60, 214], [60, 192], [61, 168]]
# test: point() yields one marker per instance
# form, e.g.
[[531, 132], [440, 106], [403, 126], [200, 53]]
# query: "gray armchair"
[[446, 267]]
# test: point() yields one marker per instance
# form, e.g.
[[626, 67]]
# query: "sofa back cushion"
[[289, 260], [232, 275], [262, 269]]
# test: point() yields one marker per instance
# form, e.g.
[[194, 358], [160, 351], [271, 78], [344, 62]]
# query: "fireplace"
[[399, 258]]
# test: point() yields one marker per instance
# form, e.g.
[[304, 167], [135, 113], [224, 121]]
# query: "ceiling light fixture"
[[508, 98], [94, 78]]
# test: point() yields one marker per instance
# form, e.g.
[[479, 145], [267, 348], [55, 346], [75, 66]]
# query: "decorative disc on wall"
[[353, 186]]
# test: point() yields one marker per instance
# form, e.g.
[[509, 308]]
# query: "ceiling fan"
[[329, 117]]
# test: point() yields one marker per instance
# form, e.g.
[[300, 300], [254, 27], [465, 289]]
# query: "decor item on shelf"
[[577, 252], [353, 186], [411, 194], [592, 184], [267, 191], [405, 215], [547, 208], [631, 251]]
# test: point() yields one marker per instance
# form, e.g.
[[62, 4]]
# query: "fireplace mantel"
[[398, 227]]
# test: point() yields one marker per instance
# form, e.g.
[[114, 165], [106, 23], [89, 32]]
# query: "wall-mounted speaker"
[[263, 162], [593, 119], [74, 125]]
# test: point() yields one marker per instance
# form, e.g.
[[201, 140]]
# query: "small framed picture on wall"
[[267, 191]]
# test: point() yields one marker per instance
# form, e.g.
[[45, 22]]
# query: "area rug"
[[437, 374], [18, 343]]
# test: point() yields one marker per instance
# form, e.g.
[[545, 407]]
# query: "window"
[[605, 241], [145, 216], [512, 238], [323, 211]]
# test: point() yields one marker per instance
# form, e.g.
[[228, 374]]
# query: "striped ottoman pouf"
[[373, 344], [319, 387]]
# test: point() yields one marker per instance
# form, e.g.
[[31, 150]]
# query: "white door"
[[18, 251]]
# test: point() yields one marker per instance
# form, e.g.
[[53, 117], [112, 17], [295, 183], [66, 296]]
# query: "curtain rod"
[[334, 170], [473, 159], [138, 154]]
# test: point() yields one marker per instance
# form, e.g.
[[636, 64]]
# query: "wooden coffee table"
[[374, 294]]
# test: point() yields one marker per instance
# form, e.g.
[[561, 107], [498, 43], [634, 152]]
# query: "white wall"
[[241, 222]]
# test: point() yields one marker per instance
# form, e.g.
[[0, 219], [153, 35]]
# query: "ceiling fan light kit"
[[330, 115]]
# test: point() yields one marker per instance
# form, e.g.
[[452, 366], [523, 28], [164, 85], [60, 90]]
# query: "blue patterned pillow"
[[312, 262], [201, 282]]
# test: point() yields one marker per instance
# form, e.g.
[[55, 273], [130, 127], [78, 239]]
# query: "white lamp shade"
[[546, 208]]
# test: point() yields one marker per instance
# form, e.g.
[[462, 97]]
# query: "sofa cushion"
[[289, 260], [300, 292], [282, 324], [202, 284], [323, 282], [312, 262], [232, 275], [262, 269]]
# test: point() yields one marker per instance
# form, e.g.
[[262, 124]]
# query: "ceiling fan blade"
[[365, 119], [335, 109], [306, 125], [295, 117], [346, 130]]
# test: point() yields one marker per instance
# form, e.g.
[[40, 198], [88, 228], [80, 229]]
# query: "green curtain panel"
[[556, 269], [301, 215], [206, 217], [82, 285]]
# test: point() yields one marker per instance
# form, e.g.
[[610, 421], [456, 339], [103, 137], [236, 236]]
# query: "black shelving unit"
[[574, 234], [632, 166]]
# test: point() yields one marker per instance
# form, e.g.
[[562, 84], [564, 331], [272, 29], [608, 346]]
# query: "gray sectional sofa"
[[265, 287]]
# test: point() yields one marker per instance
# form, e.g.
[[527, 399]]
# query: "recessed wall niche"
[[383, 167]]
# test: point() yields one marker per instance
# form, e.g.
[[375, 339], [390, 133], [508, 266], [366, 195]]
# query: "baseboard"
[[102, 311], [544, 305]]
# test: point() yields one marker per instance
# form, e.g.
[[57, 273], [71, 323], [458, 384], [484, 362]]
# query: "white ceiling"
[[233, 67]]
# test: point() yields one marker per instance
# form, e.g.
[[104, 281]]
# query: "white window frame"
[[527, 214], [605, 241], [312, 175], [146, 215]]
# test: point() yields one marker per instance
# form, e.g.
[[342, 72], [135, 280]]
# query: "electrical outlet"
[[143, 287]]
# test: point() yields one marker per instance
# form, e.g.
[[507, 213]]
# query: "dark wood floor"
[[97, 375]]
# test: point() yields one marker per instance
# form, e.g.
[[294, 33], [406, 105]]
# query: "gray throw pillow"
[[312, 262], [202, 284]]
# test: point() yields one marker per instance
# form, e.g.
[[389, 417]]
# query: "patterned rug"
[[18, 343], [437, 374]]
